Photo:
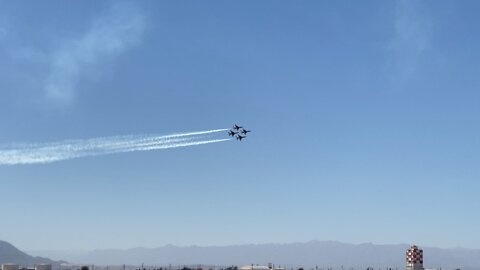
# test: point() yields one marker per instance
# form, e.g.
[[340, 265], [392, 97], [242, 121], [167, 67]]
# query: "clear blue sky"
[[365, 116]]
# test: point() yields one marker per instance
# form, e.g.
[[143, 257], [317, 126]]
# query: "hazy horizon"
[[324, 254], [60, 254]]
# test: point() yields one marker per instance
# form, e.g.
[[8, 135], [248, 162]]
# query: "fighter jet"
[[240, 137], [244, 131], [236, 127], [231, 133]]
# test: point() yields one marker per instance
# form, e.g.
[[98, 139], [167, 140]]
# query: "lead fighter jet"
[[244, 131]]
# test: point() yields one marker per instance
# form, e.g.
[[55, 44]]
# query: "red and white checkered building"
[[414, 258]]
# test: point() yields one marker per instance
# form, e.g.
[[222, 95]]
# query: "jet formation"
[[238, 132]]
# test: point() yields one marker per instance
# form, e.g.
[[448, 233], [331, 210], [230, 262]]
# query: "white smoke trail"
[[58, 151]]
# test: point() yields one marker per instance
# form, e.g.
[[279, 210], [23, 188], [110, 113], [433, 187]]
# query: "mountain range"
[[324, 254]]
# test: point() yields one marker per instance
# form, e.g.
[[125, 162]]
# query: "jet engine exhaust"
[[40, 153]]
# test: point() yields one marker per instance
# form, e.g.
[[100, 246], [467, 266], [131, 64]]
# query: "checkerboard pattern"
[[414, 256]]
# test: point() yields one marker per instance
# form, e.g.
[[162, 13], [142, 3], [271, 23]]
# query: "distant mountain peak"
[[10, 254]]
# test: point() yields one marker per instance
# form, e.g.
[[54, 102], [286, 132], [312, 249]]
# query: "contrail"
[[17, 154]]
